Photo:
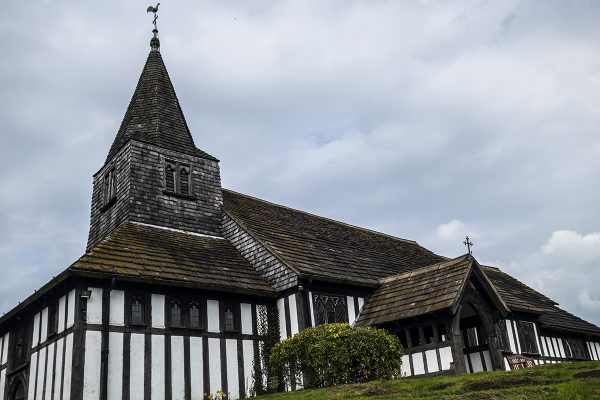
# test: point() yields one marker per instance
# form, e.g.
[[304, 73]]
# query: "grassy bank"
[[557, 381]]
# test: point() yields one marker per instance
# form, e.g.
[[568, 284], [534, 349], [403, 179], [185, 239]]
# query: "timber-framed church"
[[170, 299]]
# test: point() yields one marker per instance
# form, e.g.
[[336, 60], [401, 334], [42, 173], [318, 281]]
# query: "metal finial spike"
[[468, 243], [154, 42]]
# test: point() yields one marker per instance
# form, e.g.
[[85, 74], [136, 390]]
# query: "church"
[[183, 282]]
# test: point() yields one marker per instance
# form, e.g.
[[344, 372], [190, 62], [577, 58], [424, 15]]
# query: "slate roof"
[[322, 248], [520, 297], [154, 115], [159, 255], [426, 290]]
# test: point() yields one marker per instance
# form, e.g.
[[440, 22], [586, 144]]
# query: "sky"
[[427, 120]]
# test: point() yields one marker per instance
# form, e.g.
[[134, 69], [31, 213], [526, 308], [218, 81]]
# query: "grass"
[[580, 380]]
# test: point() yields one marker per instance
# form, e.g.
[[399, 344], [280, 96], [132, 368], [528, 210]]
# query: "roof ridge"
[[174, 230], [422, 270], [325, 218]]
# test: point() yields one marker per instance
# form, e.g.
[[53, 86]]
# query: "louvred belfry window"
[[330, 309], [177, 178], [110, 186]]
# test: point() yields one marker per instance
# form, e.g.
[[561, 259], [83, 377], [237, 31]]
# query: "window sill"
[[109, 204], [179, 195]]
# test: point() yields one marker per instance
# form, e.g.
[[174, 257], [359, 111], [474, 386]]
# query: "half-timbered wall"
[[51, 361], [3, 361], [155, 361]]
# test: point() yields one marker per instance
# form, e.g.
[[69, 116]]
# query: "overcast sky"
[[428, 120]]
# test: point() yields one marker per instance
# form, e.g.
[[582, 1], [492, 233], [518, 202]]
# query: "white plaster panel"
[[157, 374], [212, 314], [405, 367], [94, 306], [293, 314], [361, 303], [233, 377], [476, 362], [418, 365], [44, 325], [537, 337], [246, 310], [312, 308], [556, 348], [506, 365], [282, 329], [68, 367], [561, 348], [49, 371], [91, 370], [158, 311], [511, 339], [488, 360], [32, 372], [41, 373], [351, 311], [549, 346], [2, 350], [432, 363], [596, 344], [467, 364], [5, 348], [196, 368], [177, 368], [214, 364], [58, 379], [514, 324], [115, 365], [117, 308], [446, 357], [2, 381], [248, 349], [136, 367], [71, 309], [544, 349], [62, 312]]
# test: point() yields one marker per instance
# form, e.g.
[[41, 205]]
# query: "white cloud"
[[565, 268]]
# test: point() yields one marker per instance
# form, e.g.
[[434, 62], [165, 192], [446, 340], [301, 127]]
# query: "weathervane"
[[154, 43], [468, 243]]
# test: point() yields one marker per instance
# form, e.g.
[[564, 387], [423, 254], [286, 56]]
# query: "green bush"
[[335, 354]]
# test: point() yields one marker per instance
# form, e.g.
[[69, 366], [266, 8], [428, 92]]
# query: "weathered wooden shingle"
[[171, 257], [324, 249], [154, 115], [521, 298], [423, 291]]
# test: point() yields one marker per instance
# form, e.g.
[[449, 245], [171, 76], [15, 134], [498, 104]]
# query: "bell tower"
[[154, 173]]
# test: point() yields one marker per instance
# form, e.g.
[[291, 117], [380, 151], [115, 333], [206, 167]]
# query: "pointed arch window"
[[137, 310], [176, 314], [178, 178], [229, 318], [195, 322]]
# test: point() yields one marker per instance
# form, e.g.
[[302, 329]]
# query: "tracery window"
[[502, 334], [575, 348], [194, 315], [229, 319], [137, 310], [176, 320], [177, 178], [527, 339], [330, 309]]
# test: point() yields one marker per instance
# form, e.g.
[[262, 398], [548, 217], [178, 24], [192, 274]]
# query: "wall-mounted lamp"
[[86, 294]]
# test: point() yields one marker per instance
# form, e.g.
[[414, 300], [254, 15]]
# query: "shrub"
[[335, 354]]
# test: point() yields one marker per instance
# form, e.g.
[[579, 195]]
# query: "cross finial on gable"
[[468, 243]]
